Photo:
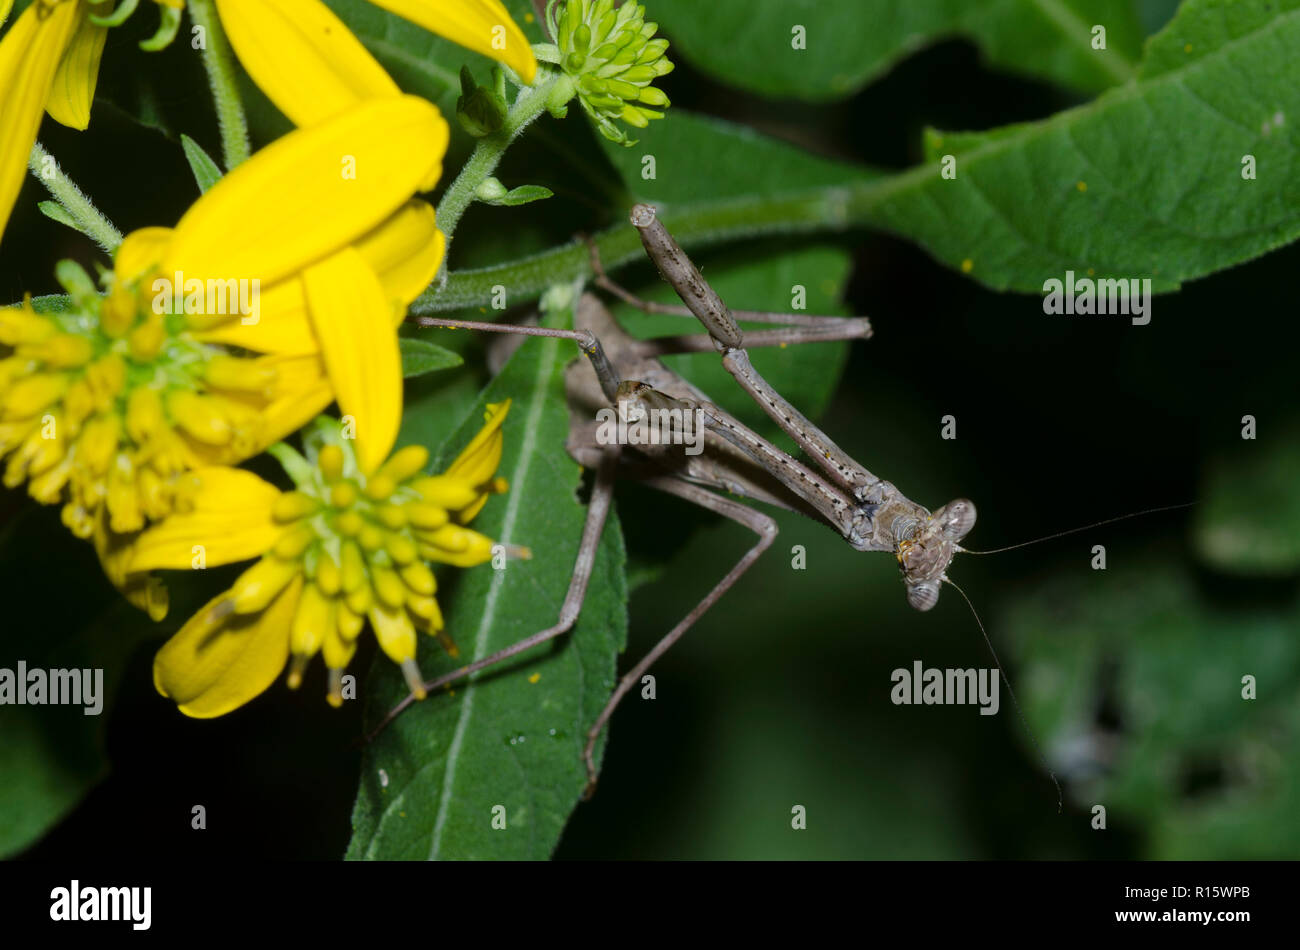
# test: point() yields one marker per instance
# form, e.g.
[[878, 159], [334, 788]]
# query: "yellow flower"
[[104, 409], [301, 54], [310, 64], [320, 229], [221, 337], [344, 546], [49, 62]]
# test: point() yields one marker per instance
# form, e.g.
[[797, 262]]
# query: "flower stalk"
[[220, 65], [550, 94], [90, 221]]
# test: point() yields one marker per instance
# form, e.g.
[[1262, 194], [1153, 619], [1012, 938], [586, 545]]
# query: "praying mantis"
[[871, 514]]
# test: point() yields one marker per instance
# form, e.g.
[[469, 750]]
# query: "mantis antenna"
[[1087, 527], [1010, 692]]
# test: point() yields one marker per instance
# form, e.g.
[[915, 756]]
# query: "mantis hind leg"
[[761, 524]]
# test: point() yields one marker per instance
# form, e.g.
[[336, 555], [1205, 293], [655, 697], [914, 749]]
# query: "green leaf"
[[1031, 201], [56, 212], [513, 736], [52, 755], [206, 171], [522, 195], [850, 42], [421, 356], [1248, 521]]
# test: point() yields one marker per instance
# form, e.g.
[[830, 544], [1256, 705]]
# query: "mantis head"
[[926, 548]]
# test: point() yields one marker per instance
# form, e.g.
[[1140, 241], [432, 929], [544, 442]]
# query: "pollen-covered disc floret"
[[105, 402], [360, 543], [612, 56]]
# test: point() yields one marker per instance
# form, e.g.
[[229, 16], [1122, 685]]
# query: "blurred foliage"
[[1050, 41], [1249, 522]]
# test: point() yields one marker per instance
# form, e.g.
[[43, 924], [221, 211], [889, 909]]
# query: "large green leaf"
[[1145, 182], [52, 755], [513, 736], [752, 45]]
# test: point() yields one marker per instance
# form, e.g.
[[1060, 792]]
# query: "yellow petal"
[[231, 521], [452, 544], [479, 460], [5, 7], [311, 193], [313, 623], [303, 390], [254, 590], [394, 631], [74, 83], [113, 551], [483, 26], [281, 326], [141, 252], [217, 661], [29, 57], [303, 57], [405, 251], [352, 320]]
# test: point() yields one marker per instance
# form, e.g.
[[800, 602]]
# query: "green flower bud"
[[479, 110], [611, 55], [489, 190]]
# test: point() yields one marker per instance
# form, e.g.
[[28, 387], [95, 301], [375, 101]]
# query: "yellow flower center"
[[107, 402], [359, 543]]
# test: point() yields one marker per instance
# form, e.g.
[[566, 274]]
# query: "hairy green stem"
[[531, 102], [219, 61], [698, 224], [90, 221]]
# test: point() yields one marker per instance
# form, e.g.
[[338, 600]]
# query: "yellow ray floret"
[[30, 54], [311, 66], [327, 289], [49, 62], [345, 546]]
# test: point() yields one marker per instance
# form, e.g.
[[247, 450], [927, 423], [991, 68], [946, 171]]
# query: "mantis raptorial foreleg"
[[858, 327], [720, 322]]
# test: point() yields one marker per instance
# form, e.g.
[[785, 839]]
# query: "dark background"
[[780, 695]]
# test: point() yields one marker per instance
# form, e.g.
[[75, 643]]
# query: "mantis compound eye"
[[924, 595], [956, 519]]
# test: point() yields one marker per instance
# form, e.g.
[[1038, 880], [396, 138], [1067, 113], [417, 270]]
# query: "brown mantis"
[[871, 514]]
